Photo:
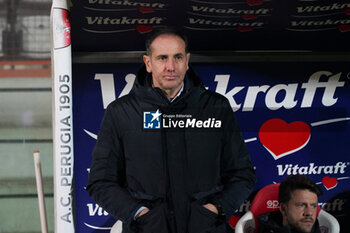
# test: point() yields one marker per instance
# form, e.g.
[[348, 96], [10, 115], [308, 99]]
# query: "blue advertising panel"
[[294, 117], [213, 25]]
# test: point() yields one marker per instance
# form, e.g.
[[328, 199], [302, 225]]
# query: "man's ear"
[[284, 212], [147, 61], [283, 209], [188, 59]]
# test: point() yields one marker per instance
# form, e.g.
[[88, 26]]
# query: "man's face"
[[300, 212], [168, 63]]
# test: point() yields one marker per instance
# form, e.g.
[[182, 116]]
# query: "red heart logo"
[[281, 138], [244, 28], [254, 2], [146, 10], [143, 28], [344, 27], [329, 182], [233, 221], [249, 16]]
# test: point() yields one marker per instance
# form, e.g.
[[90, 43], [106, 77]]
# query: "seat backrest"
[[328, 223], [245, 224], [117, 227], [266, 200]]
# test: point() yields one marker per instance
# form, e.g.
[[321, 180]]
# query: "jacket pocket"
[[202, 220], [153, 221]]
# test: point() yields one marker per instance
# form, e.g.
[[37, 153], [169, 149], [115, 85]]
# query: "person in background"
[[169, 156], [298, 199]]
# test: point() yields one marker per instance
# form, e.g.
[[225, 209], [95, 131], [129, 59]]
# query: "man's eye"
[[162, 58]]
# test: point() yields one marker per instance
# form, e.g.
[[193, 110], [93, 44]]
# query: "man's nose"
[[170, 65], [308, 211]]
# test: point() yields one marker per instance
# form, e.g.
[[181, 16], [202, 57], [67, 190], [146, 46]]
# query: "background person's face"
[[300, 212], [168, 63]]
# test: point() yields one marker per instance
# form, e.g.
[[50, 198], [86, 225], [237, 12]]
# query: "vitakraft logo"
[[328, 182], [151, 120]]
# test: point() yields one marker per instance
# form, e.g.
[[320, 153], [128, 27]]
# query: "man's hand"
[[211, 207], [144, 211]]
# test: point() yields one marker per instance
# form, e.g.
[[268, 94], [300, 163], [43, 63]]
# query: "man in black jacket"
[[169, 156], [298, 198]]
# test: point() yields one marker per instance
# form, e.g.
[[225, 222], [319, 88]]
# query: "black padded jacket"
[[173, 170]]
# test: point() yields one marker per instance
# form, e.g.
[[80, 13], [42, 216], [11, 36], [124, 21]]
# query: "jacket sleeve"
[[237, 173], [106, 183]]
